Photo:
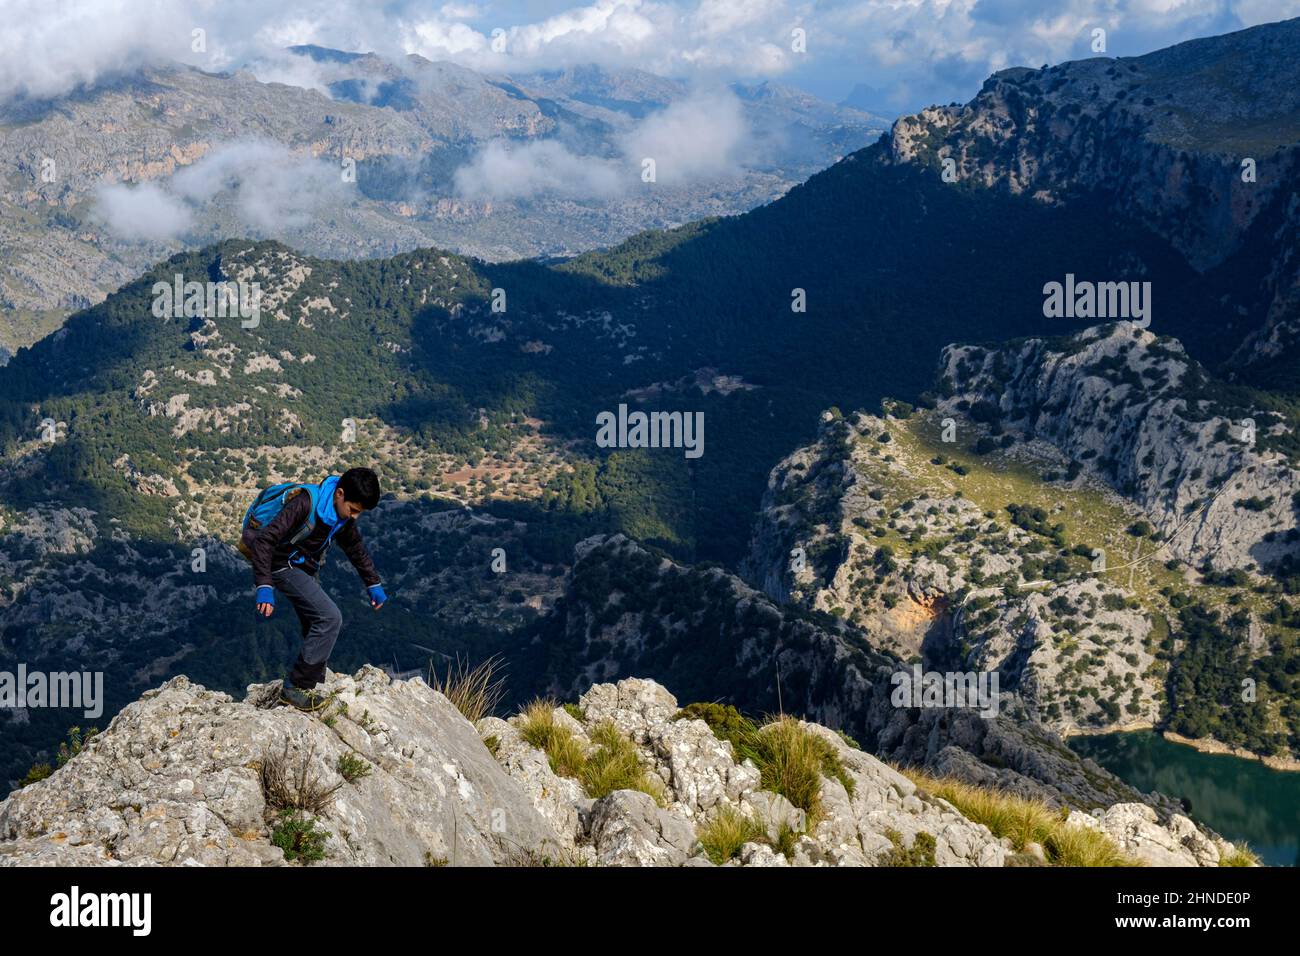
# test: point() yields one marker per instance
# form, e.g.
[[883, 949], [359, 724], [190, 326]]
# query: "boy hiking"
[[287, 531]]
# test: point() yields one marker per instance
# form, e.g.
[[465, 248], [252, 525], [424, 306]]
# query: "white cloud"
[[270, 187], [917, 48], [141, 212], [281, 67], [438, 40], [460, 11], [712, 17], [700, 137], [264, 186], [48, 48], [523, 170], [696, 138]]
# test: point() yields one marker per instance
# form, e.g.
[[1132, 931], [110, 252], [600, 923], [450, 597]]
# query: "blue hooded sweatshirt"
[[325, 510]]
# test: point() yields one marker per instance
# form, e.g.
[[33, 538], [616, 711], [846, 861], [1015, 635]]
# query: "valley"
[[919, 465]]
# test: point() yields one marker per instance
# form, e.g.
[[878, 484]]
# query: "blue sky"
[[900, 54]]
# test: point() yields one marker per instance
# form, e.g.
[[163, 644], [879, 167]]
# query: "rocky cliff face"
[[1160, 139], [1076, 516], [627, 612], [884, 536], [1134, 409], [392, 774]]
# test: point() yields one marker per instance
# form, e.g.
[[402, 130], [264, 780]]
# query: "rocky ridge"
[[715, 637], [393, 774]]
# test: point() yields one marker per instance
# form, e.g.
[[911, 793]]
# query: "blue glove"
[[377, 595], [265, 595]]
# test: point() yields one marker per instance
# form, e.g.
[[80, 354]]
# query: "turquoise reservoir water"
[[1240, 799]]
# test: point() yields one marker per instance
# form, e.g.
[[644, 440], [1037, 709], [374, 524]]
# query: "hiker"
[[288, 549]]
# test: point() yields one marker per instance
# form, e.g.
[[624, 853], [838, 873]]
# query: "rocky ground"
[[391, 773]]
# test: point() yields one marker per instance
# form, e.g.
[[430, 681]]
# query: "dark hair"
[[360, 486]]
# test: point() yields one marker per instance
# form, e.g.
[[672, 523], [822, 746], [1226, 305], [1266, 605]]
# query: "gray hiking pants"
[[321, 622]]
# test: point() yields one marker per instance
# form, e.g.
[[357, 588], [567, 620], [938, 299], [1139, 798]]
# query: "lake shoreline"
[[1208, 745], [1236, 795], [1103, 731]]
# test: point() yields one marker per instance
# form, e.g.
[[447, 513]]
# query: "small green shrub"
[[727, 724], [352, 767], [37, 772], [920, 853], [296, 834]]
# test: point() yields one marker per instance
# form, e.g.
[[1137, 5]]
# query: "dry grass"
[[793, 760], [476, 691], [562, 748], [1024, 821], [290, 783], [613, 763], [1241, 855], [724, 833]]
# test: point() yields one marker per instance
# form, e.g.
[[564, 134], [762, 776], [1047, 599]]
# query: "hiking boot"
[[307, 700]]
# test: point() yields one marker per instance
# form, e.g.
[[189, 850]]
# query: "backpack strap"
[[309, 525]]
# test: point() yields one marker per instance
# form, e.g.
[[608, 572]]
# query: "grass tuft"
[[920, 853], [726, 831], [791, 759], [1023, 822], [476, 691], [541, 730], [1240, 855], [613, 764], [292, 784]]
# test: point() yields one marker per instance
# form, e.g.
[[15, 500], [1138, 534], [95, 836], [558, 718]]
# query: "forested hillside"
[[130, 438]]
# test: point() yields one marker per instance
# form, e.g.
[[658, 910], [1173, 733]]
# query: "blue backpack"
[[270, 502]]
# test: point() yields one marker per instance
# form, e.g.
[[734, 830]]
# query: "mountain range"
[[99, 184], [885, 395]]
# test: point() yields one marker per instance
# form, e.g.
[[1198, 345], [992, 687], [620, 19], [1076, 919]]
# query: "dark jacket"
[[270, 549]]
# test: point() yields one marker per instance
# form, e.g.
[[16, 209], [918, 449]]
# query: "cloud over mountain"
[[697, 138], [916, 52], [266, 187]]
